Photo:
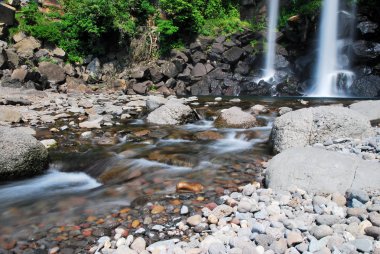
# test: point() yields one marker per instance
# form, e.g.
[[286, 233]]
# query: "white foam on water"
[[144, 163], [202, 125], [233, 143], [52, 183], [173, 141]]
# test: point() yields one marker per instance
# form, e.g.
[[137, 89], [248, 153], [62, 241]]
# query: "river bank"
[[120, 172]]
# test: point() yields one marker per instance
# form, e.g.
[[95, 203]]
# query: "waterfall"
[[269, 70], [331, 79]]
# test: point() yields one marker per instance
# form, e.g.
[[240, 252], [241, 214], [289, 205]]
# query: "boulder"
[[235, 117], [370, 109], [367, 27], [25, 48], [366, 86], [172, 113], [139, 73], [94, 70], [21, 154], [10, 115], [19, 74], [7, 14], [54, 73], [12, 58], [320, 171], [233, 55], [154, 102], [169, 69], [366, 50], [199, 70], [308, 126], [142, 88]]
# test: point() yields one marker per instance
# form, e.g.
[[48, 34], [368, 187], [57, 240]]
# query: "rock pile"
[[264, 221]]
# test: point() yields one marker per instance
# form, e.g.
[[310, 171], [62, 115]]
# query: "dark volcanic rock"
[[233, 55]]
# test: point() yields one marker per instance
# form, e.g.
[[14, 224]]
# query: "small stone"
[[375, 218], [135, 223], [193, 187], [321, 231], [327, 219], [364, 245], [139, 244], [359, 195], [194, 220], [363, 225], [339, 199], [373, 231], [184, 210], [54, 250], [157, 209], [294, 238], [212, 219], [244, 206], [49, 143]]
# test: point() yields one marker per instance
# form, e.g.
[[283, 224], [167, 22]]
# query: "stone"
[[94, 69], [294, 238], [7, 14], [139, 244], [326, 219], [364, 245], [374, 217], [284, 110], [357, 194], [58, 52], [25, 48], [366, 50], [199, 70], [322, 231], [91, 124], [339, 199], [54, 73], [19, 74], [222, 211], [169, 69], [142, 88], [373, 231], [49, 143], [194, 220], [320, 171], [308, 126], [367, 27], [233, 55], [235, 117], [370, 109], [8, 114], [19, 36], [21, 154], [174, 112], [154, 102]]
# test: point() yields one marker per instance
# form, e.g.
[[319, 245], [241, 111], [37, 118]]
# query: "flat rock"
[[8, 114], [320, 171], [370, 109], [54, 73], [25, 48], [308, 126]]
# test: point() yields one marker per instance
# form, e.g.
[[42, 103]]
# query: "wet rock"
[[192, 187], [21, 154], [366, 50], [366, 86], [92, 124], [316, 125], [49, 143], [367, 27], [235, 117], [208, 135], [172, 113]]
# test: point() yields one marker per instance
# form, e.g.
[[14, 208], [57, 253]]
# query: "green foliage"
[[186, 18], [302, 7], [85, 25]]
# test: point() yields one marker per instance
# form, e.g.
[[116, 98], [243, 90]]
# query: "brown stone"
[[19, 74], [192, 187], [156, 209], [208, 135], [25, 48], [54, 73]]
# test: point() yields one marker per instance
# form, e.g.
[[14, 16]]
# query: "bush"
[[86, 25]]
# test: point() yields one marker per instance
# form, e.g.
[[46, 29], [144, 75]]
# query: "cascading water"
[[269, 70], [331, 79]]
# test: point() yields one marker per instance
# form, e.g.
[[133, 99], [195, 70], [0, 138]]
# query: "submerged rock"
[[21, 154]]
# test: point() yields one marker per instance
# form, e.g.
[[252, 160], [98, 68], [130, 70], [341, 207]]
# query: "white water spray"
[[329, 72], [270, 70]]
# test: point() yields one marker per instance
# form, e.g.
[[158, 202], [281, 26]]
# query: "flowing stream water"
[[145, 163]]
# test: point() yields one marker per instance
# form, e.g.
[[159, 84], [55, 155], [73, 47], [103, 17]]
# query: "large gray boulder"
[[370, 109], [235, 117], [174, 112], [21, 154], [317, 125], [321, 171]]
